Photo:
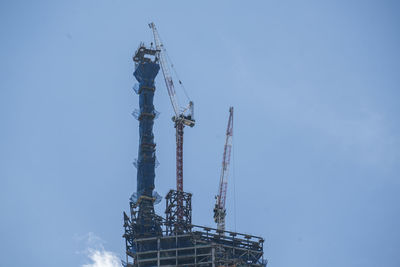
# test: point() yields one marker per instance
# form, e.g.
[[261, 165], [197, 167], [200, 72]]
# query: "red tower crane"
[[183, 116], [219, 209]]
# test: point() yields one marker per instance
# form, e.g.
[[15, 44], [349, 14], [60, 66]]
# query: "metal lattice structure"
[[219, 209], [196, 246], [178, 212], [204, 247]]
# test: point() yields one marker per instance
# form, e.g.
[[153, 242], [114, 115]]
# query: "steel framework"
[[178, 212], [219, 209], [198, 246]]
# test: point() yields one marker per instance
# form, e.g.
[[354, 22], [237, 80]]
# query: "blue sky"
[[315, 86]]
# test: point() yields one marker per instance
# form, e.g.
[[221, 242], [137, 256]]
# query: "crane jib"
[[219, 210], [162, 57]]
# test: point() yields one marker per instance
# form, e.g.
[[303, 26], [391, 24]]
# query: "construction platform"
[[181, 243]]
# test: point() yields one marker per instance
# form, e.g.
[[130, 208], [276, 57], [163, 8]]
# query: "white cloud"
[[102, 258], [94, 250]]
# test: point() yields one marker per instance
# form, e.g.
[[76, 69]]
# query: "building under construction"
[[172, 239]]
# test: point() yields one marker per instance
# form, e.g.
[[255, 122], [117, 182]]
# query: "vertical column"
[[179, 168], [145, 73], [179, 155]]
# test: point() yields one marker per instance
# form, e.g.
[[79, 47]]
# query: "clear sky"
[[315, 86]]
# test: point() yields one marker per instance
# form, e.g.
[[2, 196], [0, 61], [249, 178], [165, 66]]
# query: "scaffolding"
[[181, 243], [178, 212]]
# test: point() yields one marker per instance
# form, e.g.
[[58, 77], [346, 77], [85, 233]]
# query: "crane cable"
[[173, 68], [179, 80], [234, 181]]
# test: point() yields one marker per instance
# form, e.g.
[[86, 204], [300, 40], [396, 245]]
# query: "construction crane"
[[184, 116], [219, 209]]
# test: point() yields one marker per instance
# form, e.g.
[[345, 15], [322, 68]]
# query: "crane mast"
[[219, 209], [183, 116]]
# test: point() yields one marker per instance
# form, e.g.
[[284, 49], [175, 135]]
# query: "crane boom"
[[169, 83], [219, 209]]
